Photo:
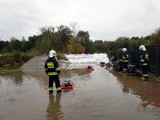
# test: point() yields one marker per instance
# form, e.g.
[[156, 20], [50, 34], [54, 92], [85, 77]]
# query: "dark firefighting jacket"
[[144, 58], [52, 66], [125, 57]]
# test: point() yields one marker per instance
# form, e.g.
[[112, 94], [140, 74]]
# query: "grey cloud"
[[104, 19]]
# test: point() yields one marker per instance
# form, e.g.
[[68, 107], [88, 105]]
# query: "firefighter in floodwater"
[[144, 59], [52, 69], [125, 59]]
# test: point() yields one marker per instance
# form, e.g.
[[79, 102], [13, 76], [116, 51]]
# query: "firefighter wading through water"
[[52, 69]]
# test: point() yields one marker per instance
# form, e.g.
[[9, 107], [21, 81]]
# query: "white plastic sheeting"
[[86, 58]]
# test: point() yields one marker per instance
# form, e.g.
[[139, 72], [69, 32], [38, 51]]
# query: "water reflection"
[[67, 73], [41, 76], [66, 90], [54, 107], [148, 92], [17, 78]]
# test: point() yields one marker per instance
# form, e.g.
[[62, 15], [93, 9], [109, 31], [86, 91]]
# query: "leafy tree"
[[65, 35], [44, 42], [155, 38], [74, 46], [4, 46], [122, 42], [31, 43], [83, 37], [98, 46], [15, 45]]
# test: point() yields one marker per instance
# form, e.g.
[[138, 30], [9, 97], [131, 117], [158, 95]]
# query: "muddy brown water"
[[97, 95]]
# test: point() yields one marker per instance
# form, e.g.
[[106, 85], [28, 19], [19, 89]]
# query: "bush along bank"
[[11, 62]]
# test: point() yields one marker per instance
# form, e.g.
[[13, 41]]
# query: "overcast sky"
[[104, 19]]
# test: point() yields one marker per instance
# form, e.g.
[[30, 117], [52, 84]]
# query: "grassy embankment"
[[11, 63], [6, 70]]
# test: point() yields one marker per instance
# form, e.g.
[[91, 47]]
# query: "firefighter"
[[125, 59], [144, 62], [52, 69]]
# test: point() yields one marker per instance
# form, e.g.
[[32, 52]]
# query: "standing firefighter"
[[144, 61], [125, 59], [52, 69]]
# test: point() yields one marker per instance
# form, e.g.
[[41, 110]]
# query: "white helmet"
[[52, 53], [124, 49], [142, 47]]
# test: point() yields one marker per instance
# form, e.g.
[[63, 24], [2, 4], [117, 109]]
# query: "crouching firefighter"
[[144, 61], [52, 69]]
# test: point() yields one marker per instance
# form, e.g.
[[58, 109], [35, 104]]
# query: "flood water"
[[99, 95]]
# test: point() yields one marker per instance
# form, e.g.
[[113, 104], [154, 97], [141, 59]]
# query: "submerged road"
[[99, 95]]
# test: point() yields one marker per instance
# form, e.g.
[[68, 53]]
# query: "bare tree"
[[74, 28]]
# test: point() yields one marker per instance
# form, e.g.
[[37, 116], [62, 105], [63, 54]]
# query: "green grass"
[[6, 70]]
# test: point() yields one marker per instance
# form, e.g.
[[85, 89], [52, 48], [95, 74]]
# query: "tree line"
[[65, 39]]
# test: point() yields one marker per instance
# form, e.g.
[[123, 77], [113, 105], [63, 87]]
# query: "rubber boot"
[[51, 92], [59, 91]]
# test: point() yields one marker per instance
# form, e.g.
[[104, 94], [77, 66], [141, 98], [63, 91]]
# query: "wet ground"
[[97, 95]]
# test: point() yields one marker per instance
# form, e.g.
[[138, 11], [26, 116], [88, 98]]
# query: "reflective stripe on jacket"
[[125, 57], [144, 58], [51, 66]]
